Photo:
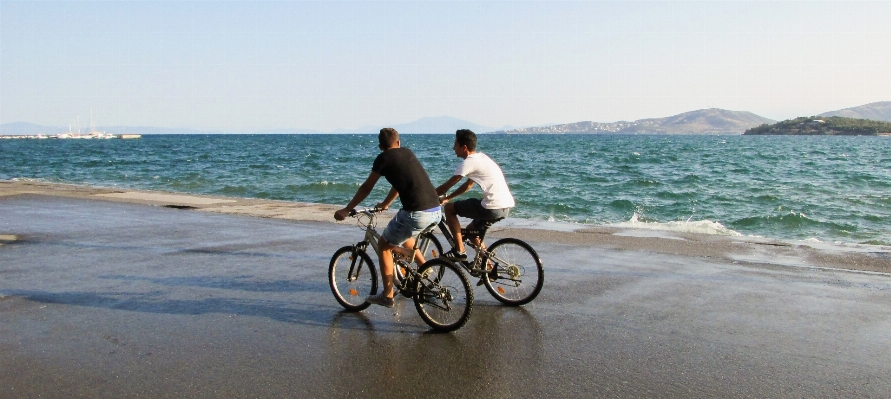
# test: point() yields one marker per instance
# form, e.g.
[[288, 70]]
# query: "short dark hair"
[[466, 137], [387, 137]]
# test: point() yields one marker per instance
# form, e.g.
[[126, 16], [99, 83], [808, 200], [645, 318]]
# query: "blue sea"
[[828, 189]]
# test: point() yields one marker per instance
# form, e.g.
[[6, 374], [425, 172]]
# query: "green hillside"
[[824, 126]]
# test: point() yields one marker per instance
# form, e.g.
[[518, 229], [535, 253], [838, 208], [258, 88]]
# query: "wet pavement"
[[106, 299]]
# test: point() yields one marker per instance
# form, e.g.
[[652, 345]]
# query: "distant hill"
[[705, 121], [824, 126], [439, 124], [25, 128], [286, 131], [434, 124], [880, 111], [153, 130]]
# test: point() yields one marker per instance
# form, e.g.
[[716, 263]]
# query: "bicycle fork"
[[356, 262]]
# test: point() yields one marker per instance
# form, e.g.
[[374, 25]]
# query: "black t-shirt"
[[402, 169]]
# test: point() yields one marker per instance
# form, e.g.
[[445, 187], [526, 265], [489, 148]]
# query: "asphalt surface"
[[112, 300]]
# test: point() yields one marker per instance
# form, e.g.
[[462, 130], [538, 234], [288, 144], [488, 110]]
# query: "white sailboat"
[[93, 134]]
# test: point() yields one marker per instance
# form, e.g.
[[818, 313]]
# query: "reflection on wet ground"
[[112, 300]]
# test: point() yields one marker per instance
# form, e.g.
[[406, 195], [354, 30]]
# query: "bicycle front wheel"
[[444, 296], [520, 274], [352, 278]]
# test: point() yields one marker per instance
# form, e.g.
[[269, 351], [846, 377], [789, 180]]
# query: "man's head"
[[388, 138], [465, 143]]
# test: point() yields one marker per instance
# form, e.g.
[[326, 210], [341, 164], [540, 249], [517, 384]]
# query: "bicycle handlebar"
[[367, 211]]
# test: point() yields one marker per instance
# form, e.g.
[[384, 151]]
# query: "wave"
[[689, 226], [797, 225], [622, 205], [789, 221]]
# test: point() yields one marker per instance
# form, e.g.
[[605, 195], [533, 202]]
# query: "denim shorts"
[[408, 224]]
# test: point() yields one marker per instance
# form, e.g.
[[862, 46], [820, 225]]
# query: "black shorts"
[[473, 209]]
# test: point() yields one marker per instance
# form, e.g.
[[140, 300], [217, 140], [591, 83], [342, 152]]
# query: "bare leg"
[[482, 246], [419, 257], [454, 226], [406, 251], [386, 258]]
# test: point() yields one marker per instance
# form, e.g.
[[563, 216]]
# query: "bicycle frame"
[[475, 266], [372, 237]]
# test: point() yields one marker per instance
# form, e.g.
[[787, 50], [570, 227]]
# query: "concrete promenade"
[[105, 299]]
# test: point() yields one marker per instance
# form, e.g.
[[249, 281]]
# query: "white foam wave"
[[689, 226], [537, 224]]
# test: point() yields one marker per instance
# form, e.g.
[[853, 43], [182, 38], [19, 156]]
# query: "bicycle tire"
[[444, 296], [433, 251], [351, 292], [519, 280]]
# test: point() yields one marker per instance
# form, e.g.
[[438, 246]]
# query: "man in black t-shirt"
[[420, 205]]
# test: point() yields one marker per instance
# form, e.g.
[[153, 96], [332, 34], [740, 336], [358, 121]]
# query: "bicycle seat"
[[428, 229]]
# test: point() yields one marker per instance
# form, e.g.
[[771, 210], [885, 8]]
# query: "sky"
[[244, 66]]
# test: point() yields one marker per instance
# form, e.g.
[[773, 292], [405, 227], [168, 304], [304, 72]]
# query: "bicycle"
[[442, 294], [514, 272]]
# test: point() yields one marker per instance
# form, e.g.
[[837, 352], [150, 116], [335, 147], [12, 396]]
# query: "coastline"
[[734, 249]]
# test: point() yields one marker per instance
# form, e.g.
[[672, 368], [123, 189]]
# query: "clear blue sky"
[[249, 65]]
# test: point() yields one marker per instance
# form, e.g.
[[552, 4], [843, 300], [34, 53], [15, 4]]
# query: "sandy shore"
[[736, 249]]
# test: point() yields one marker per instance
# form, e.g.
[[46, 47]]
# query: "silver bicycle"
[[441, 293]]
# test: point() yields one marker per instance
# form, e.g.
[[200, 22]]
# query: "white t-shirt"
[[485, 172]]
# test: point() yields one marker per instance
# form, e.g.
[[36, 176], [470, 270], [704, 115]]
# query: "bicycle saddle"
[[428, 229]]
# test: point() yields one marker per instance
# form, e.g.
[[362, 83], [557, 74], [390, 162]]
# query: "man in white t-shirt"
[[480, 169]]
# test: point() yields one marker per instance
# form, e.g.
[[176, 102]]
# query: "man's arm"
[[448, 184], [458, 191], [361, 194], [389, 200]]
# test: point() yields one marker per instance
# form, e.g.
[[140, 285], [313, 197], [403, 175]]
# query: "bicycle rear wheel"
[[520, 273], [445, 297], [434, 248], [352, 277]]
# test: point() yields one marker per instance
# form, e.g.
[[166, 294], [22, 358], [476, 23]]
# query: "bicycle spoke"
[[444, 297], [352, 277], [520, 275]]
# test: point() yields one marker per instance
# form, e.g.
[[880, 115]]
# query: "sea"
[[814, 188]]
